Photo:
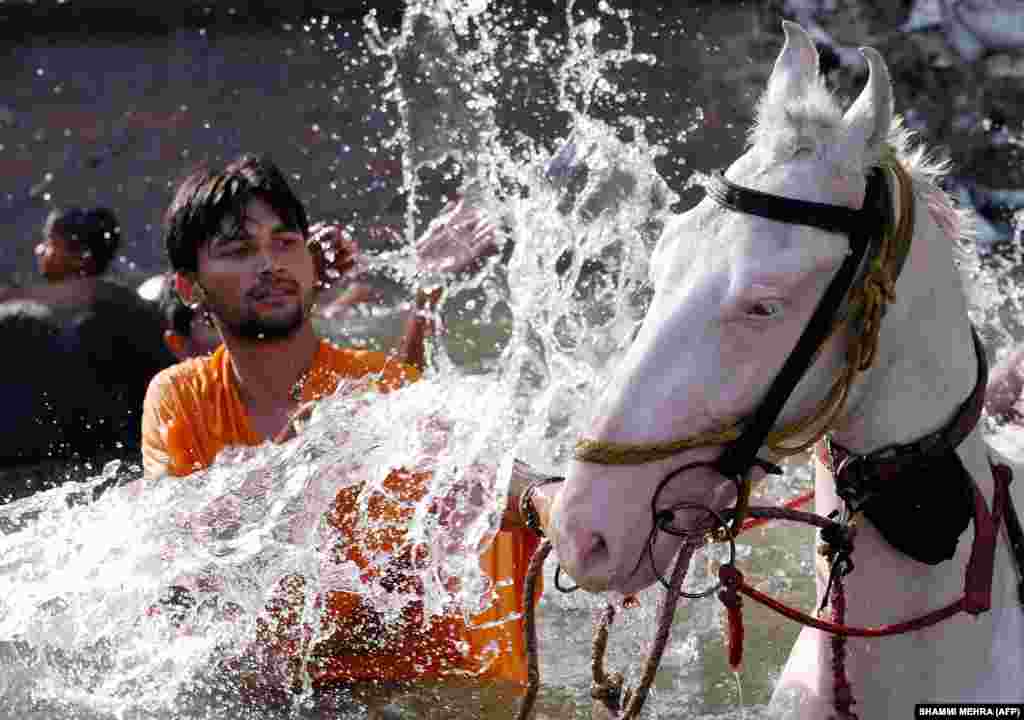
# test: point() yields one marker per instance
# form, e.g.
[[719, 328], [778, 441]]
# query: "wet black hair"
[[206, 198], [95, 231], [177, 316]]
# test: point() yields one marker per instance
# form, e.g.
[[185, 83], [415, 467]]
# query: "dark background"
[[110, 102]]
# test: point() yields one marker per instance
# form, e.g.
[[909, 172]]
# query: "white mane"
[[784, 127]]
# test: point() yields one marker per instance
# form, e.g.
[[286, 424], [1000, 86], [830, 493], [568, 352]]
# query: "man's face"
[[58, 257], [258, 278]]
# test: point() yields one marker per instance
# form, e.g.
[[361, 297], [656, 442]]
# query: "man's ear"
[[87, 264], [189, 289], [176, 344]]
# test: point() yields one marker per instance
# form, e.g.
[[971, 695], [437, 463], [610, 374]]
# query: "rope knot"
[[731, 580], [610, 692], [837, 547]]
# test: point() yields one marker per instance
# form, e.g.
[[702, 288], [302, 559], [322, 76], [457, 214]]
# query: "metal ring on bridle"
[[558, 582], [665, 516]]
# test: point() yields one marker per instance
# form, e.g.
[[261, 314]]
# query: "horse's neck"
[[925, 369], [926, 365]]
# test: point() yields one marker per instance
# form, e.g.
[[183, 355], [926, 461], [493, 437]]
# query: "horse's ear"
[[796, 67], [868, 119]]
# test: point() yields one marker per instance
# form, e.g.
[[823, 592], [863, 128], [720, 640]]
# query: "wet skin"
[[258, 278]]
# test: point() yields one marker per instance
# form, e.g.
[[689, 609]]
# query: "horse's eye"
[[765, 309]]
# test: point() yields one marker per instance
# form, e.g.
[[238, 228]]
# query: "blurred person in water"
[[77, 243], [238, 241], [80, 399], [76, 249], [1004, 396]]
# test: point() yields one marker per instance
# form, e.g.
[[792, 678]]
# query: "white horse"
[[733, 293]]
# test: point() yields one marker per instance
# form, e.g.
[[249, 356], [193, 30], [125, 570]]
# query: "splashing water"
[[82, 631]]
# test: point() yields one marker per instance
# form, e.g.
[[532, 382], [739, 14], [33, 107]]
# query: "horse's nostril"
[[583, 551]]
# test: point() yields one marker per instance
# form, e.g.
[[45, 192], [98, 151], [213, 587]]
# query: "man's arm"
[[456, 242], [412, 348], [157, 409]]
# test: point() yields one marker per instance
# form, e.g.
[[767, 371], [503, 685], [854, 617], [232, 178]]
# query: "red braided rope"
[[976, 597], [792, 504], [918, 623], [842, 693]]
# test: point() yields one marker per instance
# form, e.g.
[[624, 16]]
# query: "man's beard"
[[250, 326]]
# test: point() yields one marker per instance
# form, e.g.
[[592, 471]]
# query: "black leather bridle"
[[863, 227]]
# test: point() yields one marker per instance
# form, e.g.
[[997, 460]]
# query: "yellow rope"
[[868, 301]]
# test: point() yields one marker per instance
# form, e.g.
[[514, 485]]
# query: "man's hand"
[[456, 241], [338, 254], [1004, 395], [543, 496], [296, 423]]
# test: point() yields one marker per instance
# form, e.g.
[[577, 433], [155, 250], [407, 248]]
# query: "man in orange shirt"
[[238, 242]]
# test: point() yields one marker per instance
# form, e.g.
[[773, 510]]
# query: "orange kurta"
[[193, 410]]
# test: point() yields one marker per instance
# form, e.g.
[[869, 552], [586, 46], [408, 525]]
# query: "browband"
[[831, 218]]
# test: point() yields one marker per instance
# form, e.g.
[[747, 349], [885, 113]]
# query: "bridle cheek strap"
[[861, 226]]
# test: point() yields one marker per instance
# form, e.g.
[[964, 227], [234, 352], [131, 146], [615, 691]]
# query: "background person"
[[97, 346], [77, 243], [75, 252]]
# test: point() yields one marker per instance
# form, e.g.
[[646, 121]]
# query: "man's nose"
[[269, 258]]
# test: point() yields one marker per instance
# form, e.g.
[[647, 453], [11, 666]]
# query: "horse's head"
[[734, 292]]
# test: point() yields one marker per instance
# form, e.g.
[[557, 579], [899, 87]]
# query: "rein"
[[609, 690]]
